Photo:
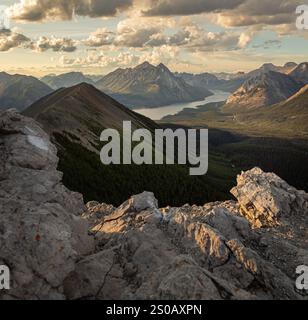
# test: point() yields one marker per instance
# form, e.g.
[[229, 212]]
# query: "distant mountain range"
[[288, 118], [152, 86], [19, 91], [66, 80], [149, 86], [262, 89], [230, 82], [212, 82], [229, 76], [266, 67], [75, 117]]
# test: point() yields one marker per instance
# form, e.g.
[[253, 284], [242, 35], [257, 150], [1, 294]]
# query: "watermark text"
[[4, 277], [167, 147], [302, 279], [4, 18], [302, 19]]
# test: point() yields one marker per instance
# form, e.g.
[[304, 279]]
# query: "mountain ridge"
[[149, 85], [262, 89], [29, 90], [81, 104], [300, 73], [286, 119], [75, 118], [66, 80]]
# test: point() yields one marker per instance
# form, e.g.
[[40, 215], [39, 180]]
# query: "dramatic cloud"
[[142, 32], [251, 12], [40, 10], [168, 31], [10, 39], [55, 44], [184, 7], [101, 37], [191, 37], [195, 38]]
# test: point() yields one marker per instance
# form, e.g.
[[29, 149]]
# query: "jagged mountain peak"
[[145, 64], [148, 85], [148, 66]]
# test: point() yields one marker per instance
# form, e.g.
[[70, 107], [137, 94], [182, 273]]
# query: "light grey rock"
[[266, 275], [209, 252], [183, 279], [41, 232], [143, 201], [266, 200], [223, 250]]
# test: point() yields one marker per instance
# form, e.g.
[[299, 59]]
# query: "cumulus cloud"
[[165, 54], [156, 28], [99, 59], [41, 10], [190, 36], [247, 36], [107, 59], [196, 38], [10, 39], [184, 7], [142, 32], [55, 44], [182, 37], [138, 37], [216, 41], [101, 37]]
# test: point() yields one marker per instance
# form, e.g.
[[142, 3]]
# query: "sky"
[[98, 36]]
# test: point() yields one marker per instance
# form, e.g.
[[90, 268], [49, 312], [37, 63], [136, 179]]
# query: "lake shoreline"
[[158, 113]]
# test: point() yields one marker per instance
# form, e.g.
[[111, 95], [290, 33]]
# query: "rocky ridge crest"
[[57, 248]]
